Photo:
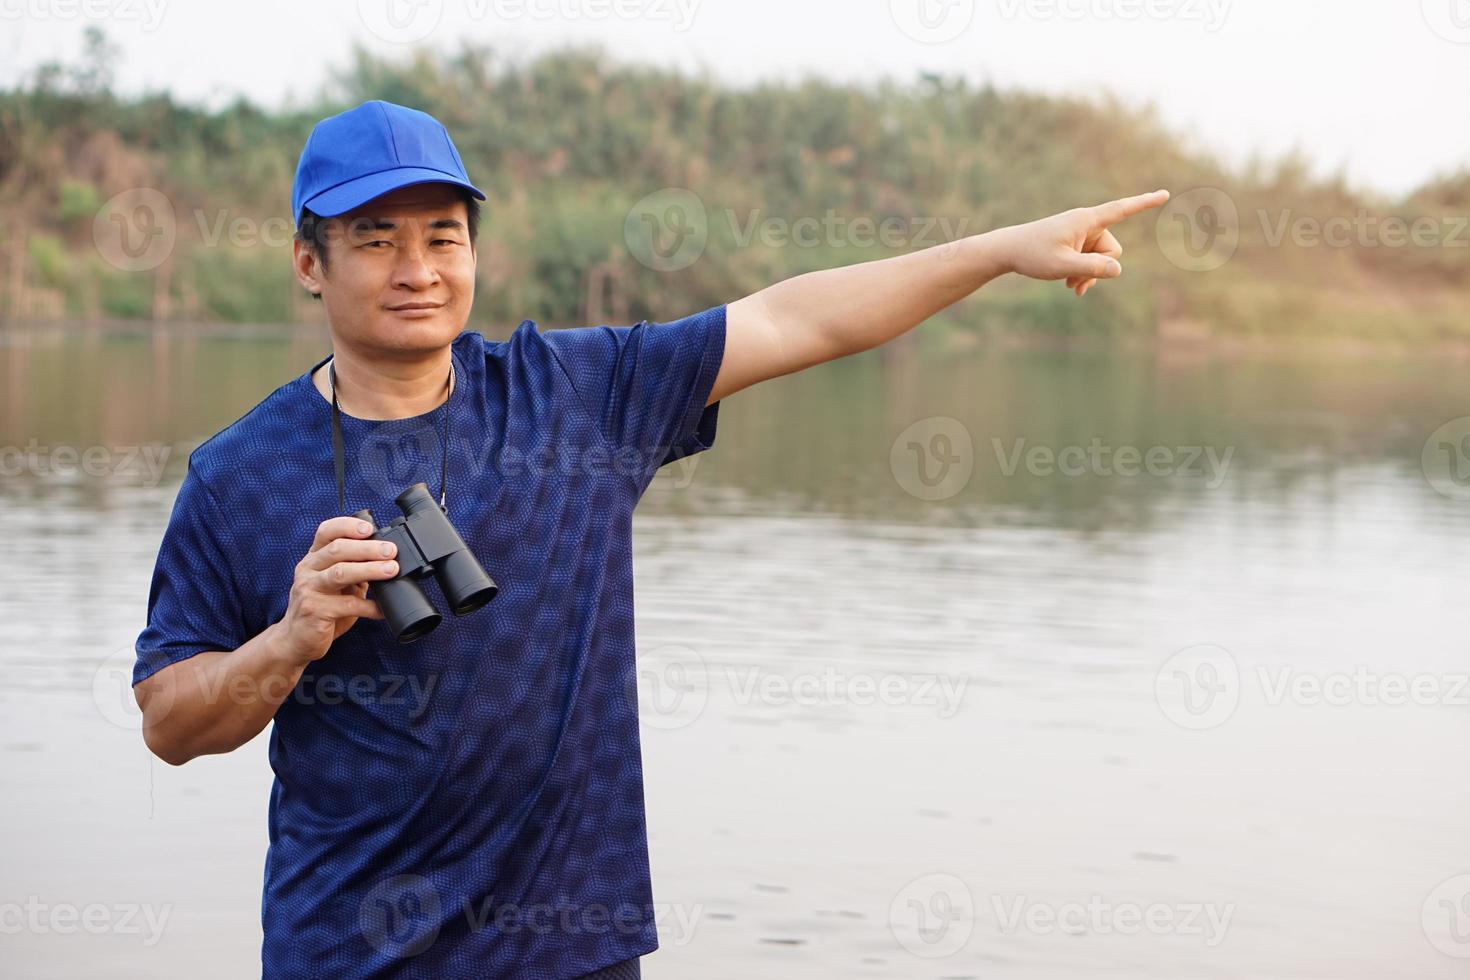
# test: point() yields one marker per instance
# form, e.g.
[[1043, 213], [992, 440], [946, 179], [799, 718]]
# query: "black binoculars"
[[426, 542]]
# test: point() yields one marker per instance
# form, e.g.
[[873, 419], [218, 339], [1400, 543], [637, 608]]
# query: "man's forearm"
[[216, 701], [859, 307]]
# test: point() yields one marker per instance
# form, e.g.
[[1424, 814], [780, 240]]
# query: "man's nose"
[[414, 270]]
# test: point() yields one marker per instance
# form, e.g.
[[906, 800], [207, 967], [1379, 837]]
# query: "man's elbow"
[[162, 744], [166, 750], [155, 695]]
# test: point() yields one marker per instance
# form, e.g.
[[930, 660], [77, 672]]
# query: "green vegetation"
[[567, 144]]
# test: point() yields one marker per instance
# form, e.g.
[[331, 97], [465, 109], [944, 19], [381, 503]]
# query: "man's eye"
[[380, 242], [445, 241]]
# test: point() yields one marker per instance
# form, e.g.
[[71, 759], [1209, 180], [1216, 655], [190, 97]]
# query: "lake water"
[[954, 663]]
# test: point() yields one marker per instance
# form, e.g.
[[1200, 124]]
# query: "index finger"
[[340, 527], [1126, 207]]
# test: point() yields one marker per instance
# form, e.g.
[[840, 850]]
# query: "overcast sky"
[[1378, 87]]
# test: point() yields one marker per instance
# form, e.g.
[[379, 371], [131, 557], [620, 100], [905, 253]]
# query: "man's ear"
[[308, 269]]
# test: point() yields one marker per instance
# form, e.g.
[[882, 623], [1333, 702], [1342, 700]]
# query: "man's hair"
[[312, 231]]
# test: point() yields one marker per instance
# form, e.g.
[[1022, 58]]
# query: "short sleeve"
[[646, 385], [193, 603]]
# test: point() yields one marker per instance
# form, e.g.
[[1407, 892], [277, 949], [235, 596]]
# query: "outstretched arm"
[[821, 316]]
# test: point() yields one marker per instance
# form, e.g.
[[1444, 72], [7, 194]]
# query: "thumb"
[[1090, 265]]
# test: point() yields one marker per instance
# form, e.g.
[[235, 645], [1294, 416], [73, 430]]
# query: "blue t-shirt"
[[469, 805]]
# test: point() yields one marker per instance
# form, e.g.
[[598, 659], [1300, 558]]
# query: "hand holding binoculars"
[[426, 543]]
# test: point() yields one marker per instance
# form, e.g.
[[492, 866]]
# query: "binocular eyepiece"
[[426, 543]]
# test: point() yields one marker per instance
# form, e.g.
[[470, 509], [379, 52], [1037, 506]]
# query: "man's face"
[[400, 274]]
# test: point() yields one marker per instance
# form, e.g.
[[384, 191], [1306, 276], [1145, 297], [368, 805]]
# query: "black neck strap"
[[339, 457]]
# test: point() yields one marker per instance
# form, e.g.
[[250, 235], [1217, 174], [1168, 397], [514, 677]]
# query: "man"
[[470, 804]]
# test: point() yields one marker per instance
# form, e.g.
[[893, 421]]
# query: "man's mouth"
[[416, 310]]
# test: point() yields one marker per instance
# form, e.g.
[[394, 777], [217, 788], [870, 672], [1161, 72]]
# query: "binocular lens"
[[464, 583], [406, 609]]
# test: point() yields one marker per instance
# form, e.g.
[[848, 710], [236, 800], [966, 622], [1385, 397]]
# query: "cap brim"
[[357, 192]]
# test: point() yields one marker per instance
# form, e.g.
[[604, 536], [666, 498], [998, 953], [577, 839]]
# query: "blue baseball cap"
[[357, 155]]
